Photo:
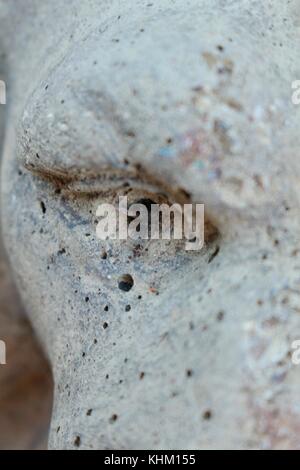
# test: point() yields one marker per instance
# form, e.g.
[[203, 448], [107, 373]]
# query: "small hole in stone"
[[207, 415], [89, 412], [77, 441], [220, 316], [113, 418], [87, 299], [43, 207], [130, 133], [142, 375], [125, 282], [127, 308], [106, 308], [105, 325], [189, 373], [103, 255]]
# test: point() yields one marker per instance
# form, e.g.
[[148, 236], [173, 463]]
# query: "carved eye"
[[81, 194]]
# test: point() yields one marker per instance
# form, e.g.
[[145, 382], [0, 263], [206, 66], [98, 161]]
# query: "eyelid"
[[111, 180], [80, 180], [83, 183]]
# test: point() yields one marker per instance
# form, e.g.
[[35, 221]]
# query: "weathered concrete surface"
[[163, 96]]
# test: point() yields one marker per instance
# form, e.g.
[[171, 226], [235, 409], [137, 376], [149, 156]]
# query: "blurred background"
[[25, 381]]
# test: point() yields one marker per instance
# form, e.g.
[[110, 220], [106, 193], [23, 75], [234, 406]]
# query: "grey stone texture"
[[191, 99]]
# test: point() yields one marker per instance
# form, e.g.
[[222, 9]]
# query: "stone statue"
[[151, 346]]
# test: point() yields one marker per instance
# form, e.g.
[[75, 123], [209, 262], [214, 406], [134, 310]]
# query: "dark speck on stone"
[[125, 283], [43, 207], [113, 418], [207, 415]]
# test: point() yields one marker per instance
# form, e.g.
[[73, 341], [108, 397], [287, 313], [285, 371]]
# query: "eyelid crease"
[[108, 180], [71, 175], [83, 183]]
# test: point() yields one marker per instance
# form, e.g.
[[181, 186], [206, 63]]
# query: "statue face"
[[153, 346]]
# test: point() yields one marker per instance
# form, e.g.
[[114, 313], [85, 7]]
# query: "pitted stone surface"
[[175, 97]]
